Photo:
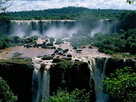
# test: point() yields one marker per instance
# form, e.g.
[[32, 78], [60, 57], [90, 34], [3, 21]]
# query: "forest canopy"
[[75, 13]]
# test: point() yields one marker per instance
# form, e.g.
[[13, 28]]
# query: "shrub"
[[47, 57], [74, 96], [6, 95], [121, 85]]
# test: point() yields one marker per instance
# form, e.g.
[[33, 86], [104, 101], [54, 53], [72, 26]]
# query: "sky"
[[20, 5]]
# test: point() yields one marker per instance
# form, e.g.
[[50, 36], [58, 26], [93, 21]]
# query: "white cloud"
[[20, 5]]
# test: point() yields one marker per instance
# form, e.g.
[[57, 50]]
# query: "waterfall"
[[105, 26], [97, 68], [115, 26], [124, 62], [40, 27], [40, 83]]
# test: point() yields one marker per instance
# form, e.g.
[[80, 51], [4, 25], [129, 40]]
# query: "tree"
[[4, 4], [130, 1], [6, 95], [121, 85], [74, 96]]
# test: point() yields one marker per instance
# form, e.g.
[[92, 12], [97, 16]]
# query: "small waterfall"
[[115, 26], [40, 82], [97, 68], [124, 62]]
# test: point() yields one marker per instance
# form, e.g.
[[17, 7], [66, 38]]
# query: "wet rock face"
[[80, 74], [114, 64], [19, 78], [70, 75]]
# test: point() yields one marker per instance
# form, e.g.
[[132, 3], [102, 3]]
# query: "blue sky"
[[20, 5]]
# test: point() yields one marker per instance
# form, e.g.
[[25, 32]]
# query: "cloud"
[[20, 5]]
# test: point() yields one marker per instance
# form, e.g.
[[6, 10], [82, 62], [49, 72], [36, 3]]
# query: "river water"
[[25, 52]]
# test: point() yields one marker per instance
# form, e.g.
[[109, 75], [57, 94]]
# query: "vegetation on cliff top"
[[16, 60]]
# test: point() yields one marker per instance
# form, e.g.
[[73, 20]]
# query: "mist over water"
[[105, 27], [57, 29]]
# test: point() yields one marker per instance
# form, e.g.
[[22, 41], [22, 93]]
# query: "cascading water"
[[105, 26], [115, 26], [56, 27], [40, 82], [41, 27], [97, 68]]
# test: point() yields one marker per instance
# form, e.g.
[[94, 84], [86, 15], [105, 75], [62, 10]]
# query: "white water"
[[50, 28], [115, 26], [97, 68], [124, 62], [40, 84]]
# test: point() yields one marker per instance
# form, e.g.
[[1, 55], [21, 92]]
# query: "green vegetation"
[[121, 85], [75, 13], [4, 17], [75, 96], [123, 43], [47, 57], [127, 20], [31, 40], [6, 41], [81, 38], [52, 40], [16, 60], [6, 95], [130, 1], [59, 41], [120, 45]]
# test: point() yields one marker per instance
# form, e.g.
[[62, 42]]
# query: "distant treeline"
[[76, 13]]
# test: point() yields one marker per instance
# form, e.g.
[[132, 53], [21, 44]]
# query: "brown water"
[[25, 52], [86, 52], [34, 52]]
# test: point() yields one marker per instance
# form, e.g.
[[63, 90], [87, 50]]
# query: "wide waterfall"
[[52, 28], [97, 68], [57, 28], [40, 83]]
